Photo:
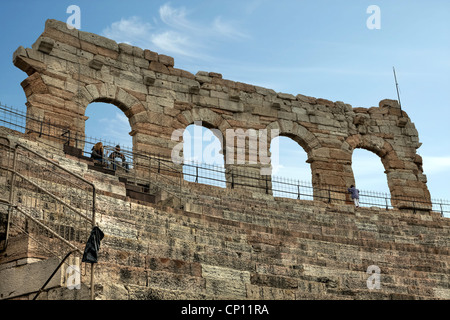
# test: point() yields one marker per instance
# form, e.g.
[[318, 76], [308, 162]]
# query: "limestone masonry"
[[69, 69], [204, 242]]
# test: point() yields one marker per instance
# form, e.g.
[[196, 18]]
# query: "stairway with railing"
[[45, 207]]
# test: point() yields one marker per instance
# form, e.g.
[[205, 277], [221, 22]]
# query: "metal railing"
[[42, 127], [52, 206], [233, 178], [302, 190], [141, 166]]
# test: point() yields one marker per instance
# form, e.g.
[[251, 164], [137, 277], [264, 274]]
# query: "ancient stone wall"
[[237, 244], [69, 69]]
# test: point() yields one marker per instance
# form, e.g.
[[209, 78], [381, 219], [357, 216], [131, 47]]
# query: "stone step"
[[211, 255], [188, 230], [239, 229], [134, 292]]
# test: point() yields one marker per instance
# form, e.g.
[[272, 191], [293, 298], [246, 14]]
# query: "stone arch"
[[377, 145], [404, 178], [109, 93], [296, 132], [203, 163], [209, 119], [206, 118]]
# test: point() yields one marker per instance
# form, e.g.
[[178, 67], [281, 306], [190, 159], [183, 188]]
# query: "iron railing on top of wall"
[[213, 174], [302, 190]]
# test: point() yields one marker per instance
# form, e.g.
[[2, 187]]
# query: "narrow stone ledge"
[[149, 80], [45, 45], [96, 63]]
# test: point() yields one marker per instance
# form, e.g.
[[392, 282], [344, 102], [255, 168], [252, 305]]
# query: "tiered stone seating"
[[237, 244]]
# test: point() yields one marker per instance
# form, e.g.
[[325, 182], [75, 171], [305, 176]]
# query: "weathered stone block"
[[150, 55], [158, 67], [138, 52], [215, 75], [29, 278], [99, 41], [166, 60], [125, 48], [231, 105], [402, 122], [203, 79]]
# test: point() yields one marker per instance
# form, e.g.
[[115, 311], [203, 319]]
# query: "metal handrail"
[[15, 174], [49, 194], [67, 171], [54, 272]]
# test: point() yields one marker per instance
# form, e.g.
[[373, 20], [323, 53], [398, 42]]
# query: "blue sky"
[[316, 48]]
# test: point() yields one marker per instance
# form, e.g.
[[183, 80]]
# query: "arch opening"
[[107, 123], [370, 178], [203, 160], [291, 173]]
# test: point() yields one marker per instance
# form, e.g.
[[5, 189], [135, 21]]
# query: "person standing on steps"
[[355, 195]]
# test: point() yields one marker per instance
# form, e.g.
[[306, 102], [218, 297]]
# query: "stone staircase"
[[47, 210]]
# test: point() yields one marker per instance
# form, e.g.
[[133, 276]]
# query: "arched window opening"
[[203, 156], [370, 179], [107, 124], [291, 174]]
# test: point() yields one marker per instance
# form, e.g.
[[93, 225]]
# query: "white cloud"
[[132, 31], [177, 34], [175, 43], [227, 29], [175, 17]]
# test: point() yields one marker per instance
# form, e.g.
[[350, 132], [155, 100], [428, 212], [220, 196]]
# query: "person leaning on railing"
[[117, 154], [97, 152]]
